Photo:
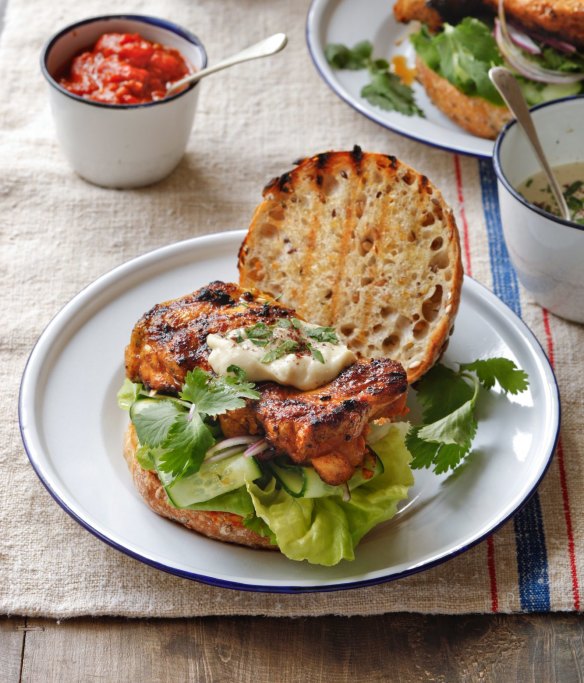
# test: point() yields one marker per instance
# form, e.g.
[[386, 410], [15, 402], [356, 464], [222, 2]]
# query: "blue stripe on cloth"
[[532, 564]]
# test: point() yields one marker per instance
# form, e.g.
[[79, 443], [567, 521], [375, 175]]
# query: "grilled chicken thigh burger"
[[251, 425], [459, 41], [268, 413]]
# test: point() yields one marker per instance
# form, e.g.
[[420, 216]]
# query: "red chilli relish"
[[124, 68]]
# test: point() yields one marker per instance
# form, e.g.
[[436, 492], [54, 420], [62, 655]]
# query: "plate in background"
[[351, 21]]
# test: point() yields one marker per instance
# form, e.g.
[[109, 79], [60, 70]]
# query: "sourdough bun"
[[365, 244], [222, 526], [474, 114]]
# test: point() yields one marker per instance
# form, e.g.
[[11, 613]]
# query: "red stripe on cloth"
[[492, 574], [468, 269], [460, 197], [563, 481]]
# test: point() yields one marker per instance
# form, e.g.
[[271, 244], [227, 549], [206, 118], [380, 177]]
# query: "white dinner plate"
[[72, 430], [351, 21]]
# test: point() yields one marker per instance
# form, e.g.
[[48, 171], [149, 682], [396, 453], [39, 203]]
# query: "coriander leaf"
[[423, 452], [378, 65], [153, 418], [502, 370], [315, 353], [388, 92], [459, 427], [440, 391], [184, 448], [426, 454], [283, 322], [239, 373], [448, 400], [128, 393], [236, 379], [341, 57], [283, 349], [259, 334], [216, 395], [463, 55], [449, 457], [322, 334]]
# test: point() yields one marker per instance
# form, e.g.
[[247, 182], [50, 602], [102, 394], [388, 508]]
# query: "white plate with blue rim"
[[352, 21], [74, 442]]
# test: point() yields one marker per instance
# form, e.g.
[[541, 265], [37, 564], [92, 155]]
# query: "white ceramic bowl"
[[121, 146], [546, 251]]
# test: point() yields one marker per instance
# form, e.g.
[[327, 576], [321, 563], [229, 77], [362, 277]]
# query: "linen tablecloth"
[[59, 233]]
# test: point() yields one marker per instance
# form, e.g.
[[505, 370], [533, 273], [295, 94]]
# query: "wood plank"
[[12, 636], [400, 647]]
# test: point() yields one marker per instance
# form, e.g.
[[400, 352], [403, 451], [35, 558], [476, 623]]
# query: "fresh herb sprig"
[[298, 339], [386, 90], [175, 433], [448, 400]]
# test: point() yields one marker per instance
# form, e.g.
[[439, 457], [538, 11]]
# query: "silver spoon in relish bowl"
[[510, 91], [265, 48]]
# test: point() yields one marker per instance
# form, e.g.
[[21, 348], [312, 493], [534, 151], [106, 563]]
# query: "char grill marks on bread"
[[365, 244], [324, 427]]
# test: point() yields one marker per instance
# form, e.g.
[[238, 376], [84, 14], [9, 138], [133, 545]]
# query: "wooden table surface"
[[394, 647]]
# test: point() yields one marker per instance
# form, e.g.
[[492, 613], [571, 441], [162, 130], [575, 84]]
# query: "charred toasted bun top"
[[365, 244]]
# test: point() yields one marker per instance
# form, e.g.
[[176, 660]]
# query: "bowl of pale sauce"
[[547, 251]]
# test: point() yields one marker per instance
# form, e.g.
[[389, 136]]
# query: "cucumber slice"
[[304, 482], [212, 480], [317, 488], [292, 478]]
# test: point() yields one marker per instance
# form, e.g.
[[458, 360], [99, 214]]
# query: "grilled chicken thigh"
[[325, 427]]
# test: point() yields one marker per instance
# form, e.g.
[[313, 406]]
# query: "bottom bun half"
[[222, 526], [474, 114]]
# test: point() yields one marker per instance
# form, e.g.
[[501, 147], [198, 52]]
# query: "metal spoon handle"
[[510, 91], [265, 48]]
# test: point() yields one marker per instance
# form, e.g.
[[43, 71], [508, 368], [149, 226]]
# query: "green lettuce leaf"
[[327, 530], [463, 55], [128, 393], [237, 502]]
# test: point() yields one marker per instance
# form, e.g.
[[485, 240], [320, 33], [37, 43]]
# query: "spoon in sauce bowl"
[[510, 91], [265, 48]]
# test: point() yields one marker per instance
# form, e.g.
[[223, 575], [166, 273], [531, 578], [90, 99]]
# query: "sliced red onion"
[[526, 67], [257, 447], [221, 455], [556, 43], [233, 441], [522, 40]]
